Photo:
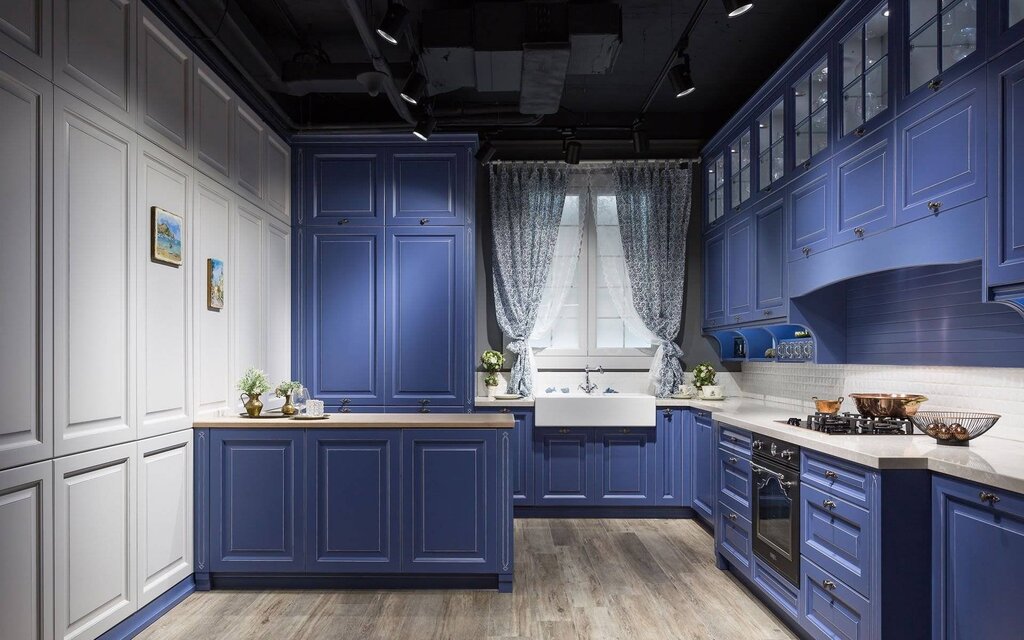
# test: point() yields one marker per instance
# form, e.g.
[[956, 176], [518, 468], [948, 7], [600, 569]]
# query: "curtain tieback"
[[670, 349], [519, 347]]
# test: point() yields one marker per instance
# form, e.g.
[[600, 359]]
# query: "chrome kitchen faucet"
[[588, 387]]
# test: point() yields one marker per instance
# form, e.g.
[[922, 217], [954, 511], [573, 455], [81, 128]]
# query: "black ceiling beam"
[[681, 44]]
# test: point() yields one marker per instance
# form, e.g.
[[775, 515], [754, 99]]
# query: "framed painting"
[[167, 230], [214, 284]]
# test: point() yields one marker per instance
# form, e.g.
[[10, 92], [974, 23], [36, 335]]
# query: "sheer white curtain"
[[563, 267]]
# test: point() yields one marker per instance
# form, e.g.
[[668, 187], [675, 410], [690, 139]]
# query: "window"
[[866, 71], [740, 165], [1015, 12], [942, 33], [716, 189], [590, 328], [770, 159], [811, 112]]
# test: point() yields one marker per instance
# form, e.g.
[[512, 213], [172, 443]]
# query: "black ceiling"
[[731, 58]]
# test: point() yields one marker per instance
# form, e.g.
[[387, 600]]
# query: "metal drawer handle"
[[563, 430], [424, 220], [935, 205], [667, 413], [859, 232], [828, 504], [807, 164], [732, 516], [767, 312], [505, 409], [989, 497], [831, 475], [343, 221], [732, 461], [935, 84], [859, 132], [828, 584], [625, 430], [344, 410], [806, 251]]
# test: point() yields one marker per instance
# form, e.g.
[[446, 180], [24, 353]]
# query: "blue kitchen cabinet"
[[522, 458], [256, 500], [564, 468], [940, 148], [625, 467], [353, 490], [770, 263], [809, 211], [428, 185], [830, 610], [1005, 231], [865, 182], [671, 430], [735, 482], [977, 560], [739, 259], [341, 186], [1006, 24], [734, 479], [427, 317], [836, 535], [701, 459], [342, 298], [941, 41], [450, 480], [733, 540], [715, 280]]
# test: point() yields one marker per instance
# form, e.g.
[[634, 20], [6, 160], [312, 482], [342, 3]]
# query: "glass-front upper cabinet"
[[810, 112], [739, 168], [1007, 20], [771, 158], [941, 34], [865, 54], [716, 189]]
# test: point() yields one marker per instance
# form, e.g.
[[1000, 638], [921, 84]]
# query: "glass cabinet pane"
[[865, 70], [770, 136], [1015, 12], [716, 189], [959, 32], [942, 33], [924, 63], [810, 99], [740, 167]]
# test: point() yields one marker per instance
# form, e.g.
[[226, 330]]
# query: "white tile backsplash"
[[621, 381]]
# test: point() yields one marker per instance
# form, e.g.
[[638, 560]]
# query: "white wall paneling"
[[247, 289], [164, 513], [94, 53], [279, 177], [94, 248], [26, 552], [26, 341], [250, 142], [25, 30], [214, 117], [164, 299], [94, 541], [165, 86], [277, 297]]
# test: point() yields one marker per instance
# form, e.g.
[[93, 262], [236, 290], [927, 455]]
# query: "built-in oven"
[[776, 506]]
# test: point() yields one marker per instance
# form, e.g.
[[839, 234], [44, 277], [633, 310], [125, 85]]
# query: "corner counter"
[[366, 421]]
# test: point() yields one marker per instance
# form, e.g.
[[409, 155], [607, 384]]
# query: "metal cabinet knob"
[[989, 497], [343, 221], [831, 475], [424, 220], [423, 406], [563, 430], [806, 251], [625, 430], [859, 232], [757, 444], [736, 318], [504, 409], [935, 205], [935, 84], [828, 584], [667, 413], [733, 461], [731, 516], [859, 132], [807, 164], [828, 504], [767, 313]]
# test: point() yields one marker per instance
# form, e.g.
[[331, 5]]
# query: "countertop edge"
[[366, 421]]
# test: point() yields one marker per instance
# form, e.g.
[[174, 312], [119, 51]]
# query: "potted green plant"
[[491, 362], [285, 390], [704, 380], [253, 384]]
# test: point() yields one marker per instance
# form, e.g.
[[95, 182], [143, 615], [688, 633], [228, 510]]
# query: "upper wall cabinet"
[[770, 265], [165, 86], [865, 78], [865, 178], [248, 153], [214, 113], [771, 146], [26, 341], [716, 190], [428, 186], [810, 114], [278, 182], [1006, 178], [809, 205], [942, 43], [342, 187], [714, 279], [25, 30], [94, 43], [740, 169], [1006, 23]]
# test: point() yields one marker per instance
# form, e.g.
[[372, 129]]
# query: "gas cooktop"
[[854, 424]]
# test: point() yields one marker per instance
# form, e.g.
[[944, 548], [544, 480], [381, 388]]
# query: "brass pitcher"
[[288, 408], [253, 406]]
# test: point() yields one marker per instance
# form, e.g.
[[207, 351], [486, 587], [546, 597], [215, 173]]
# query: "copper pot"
[[828, 406], [888, 405]]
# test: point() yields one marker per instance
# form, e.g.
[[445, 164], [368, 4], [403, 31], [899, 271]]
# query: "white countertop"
[[988, 460]]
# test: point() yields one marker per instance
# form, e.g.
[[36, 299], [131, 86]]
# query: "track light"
[[486, 152], [572, 151], [391, 26], [425, 127], [737, 7], [641, 144], [681, 79], [414, 88]]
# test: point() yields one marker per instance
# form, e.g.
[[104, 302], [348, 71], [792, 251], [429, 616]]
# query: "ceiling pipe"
[[369, 38]]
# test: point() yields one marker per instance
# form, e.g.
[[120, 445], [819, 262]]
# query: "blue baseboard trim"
[[147, 615], [672, 513], [247, 581]]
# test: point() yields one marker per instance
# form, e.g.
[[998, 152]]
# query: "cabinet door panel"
[[837, 536], [770, 272], [563, 467], [451, 483], [669, 465], [352, 521], [426, 312], [344, 341], [214, 388], [428, 186], [165, 86], [342, 187], [831, 609], [703, 466], [1005, 232], [256, 502], [94, 302], [277, 252], [521, 454], [26, 341], [864, 185], [714, 280], [248, 291], [214, 113], [26, 528], [248, 153], [740, 270], [94, 540], [732, 536], [735, 484], [25, 30], [625, 474], [279, 177], [810, 208]]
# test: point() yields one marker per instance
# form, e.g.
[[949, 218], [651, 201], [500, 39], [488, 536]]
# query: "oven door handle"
[[758, 469]]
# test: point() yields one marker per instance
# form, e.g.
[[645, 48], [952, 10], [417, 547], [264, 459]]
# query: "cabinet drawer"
[[735, 440], [734, 481], [837, 536], [829, 609], [838, 478], [779, 590], [733, 537]]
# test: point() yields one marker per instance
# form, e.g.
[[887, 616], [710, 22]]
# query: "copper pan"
[[827, 406]]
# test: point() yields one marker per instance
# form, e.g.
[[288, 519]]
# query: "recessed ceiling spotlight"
[[681, 79], [391, 26], [573, 148], [414, 88], [425, 127], [737, 7]]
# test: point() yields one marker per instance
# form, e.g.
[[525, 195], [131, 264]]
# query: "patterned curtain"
[[653, 202], [526, 209]]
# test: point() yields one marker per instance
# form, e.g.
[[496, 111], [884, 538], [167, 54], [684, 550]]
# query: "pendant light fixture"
[[681, 78], [414, 88], [394, 19], [736, 8]]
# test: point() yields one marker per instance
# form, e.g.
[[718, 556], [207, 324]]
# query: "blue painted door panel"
[[669, 467], [941, 151], [778, 589], [450, 484], [865, 181], [256, 500], [522, 454], [732, 538], [564, 466], [353, 492], [836, 477], [740, 270], [829, 609], [735, 484], [977, 560], [836, 535], [714, 279], [625, 473], [1005, 232], [343, 303], [702, 461], [426, 316], [770, 271], [342, 187], [809, 210], [428, 186]]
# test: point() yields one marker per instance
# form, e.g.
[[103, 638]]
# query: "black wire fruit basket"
[[954, 428]]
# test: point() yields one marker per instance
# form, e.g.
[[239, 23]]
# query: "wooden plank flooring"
[[622, 579]]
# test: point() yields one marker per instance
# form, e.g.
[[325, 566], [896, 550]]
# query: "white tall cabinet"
[[108, 356]]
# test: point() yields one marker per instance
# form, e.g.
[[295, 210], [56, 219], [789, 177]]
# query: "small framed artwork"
[[214, 284], [166, 237]]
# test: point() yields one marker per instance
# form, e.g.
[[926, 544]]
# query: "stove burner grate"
[[856, 424]]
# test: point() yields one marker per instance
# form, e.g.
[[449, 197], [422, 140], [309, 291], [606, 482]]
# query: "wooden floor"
[[629, 579]]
